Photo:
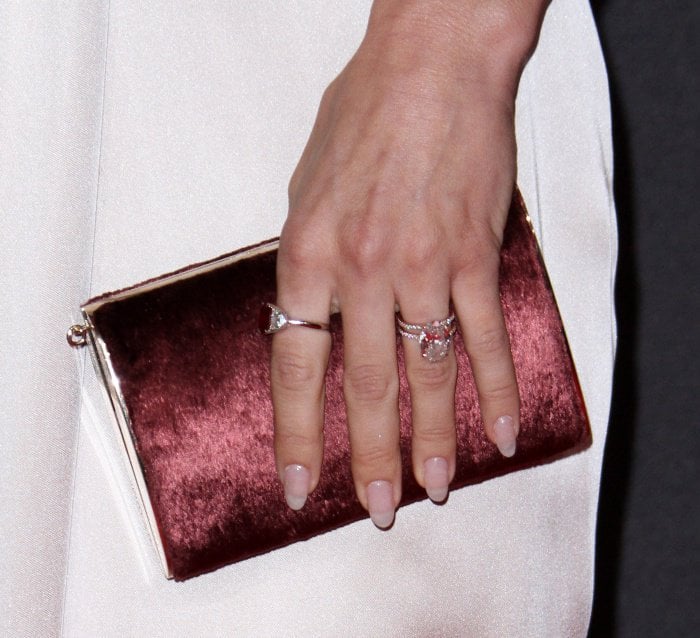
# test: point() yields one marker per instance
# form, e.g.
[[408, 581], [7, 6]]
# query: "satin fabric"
[[140, 137]]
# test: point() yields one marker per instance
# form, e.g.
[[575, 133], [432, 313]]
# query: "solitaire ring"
[[434, 337], [273, 319]]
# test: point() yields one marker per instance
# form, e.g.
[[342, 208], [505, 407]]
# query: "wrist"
[[472, 40]]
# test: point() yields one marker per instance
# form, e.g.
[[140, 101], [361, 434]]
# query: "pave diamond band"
[[434, 337], [412, 327], [273, 319]]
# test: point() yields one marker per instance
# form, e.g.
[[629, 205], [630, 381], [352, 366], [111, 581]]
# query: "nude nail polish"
[[297, 480], [436, 478], [380, 499], [504, 434]]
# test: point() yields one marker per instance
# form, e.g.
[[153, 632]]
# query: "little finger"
[[477, 301]]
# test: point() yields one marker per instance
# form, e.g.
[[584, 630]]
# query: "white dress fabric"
[[136, 138]]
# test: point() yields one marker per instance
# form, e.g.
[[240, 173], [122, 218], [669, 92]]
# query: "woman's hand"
[[400, 198]]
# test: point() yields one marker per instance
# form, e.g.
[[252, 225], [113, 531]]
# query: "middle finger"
[[371, 387]]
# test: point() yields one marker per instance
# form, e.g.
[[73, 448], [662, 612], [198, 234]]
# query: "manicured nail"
[[504, 433], [436, 477], [380, 498], [296, 485]]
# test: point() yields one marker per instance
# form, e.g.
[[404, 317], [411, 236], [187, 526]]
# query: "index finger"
[[298, 367]]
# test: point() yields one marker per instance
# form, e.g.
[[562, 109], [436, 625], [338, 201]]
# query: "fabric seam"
[[76, 445]]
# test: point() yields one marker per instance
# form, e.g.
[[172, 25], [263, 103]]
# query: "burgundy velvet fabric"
[[194, 375]]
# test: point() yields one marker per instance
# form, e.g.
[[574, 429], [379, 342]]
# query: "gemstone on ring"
[[435, 341], [271, 319], [434, 337]]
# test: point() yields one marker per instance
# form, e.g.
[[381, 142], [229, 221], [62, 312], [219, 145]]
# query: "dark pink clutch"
[[187, 374]]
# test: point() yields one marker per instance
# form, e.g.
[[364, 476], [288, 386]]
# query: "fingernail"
[[380, 498], [504, 433], [436, 477], [296, 485]]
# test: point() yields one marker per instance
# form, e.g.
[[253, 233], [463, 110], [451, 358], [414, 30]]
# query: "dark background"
[[648, 563]]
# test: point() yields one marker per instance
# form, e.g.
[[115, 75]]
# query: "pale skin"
[[400, 200]]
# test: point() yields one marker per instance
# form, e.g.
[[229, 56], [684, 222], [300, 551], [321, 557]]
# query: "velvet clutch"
[[187, 374]]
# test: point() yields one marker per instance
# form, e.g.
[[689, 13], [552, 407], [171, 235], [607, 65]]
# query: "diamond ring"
[[434, 337], [273, 319]]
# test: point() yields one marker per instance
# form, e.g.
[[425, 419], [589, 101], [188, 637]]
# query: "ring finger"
[[431, 379]]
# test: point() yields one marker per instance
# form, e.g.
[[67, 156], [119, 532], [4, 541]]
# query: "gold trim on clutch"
[[88, 334]]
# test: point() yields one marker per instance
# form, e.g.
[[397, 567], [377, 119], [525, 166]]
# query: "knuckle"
[[294, 373], [434, 435], [300, 253], [422, 250], [432, 377], [365, 254], [327, 101], [374, 458], [370, 383], [477, 259], [293, 184], [329, 93], [365, 244], [499, 392], [293, 439], [478, 251], [489, 342]]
